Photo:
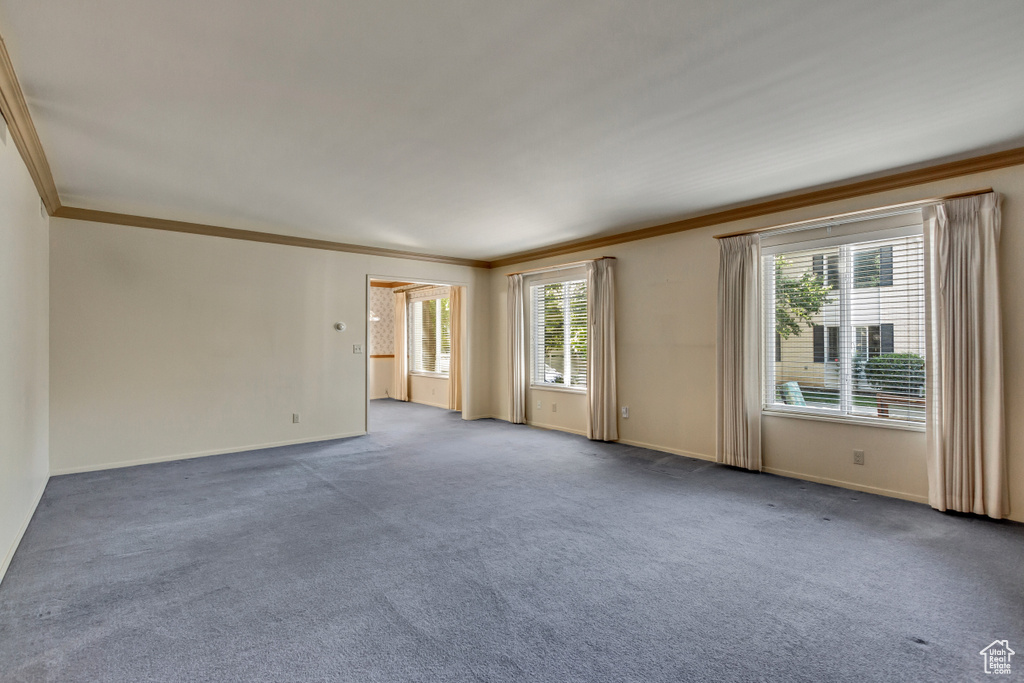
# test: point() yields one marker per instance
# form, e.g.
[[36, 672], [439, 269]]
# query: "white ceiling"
[[477, 128]]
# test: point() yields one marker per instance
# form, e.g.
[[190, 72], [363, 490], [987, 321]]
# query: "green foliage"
[[896, 373], [797, 299]]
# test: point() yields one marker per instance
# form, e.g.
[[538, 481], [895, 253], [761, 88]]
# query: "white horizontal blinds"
[[844, 326], [559, 329], [430, 335]]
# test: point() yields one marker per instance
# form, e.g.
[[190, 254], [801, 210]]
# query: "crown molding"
[[253, 236], [894, 181], [23, 131]]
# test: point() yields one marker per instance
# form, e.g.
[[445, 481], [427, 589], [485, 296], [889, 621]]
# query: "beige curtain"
[[966, 448], [739, 366], [455, 365], [516, 351], [401, 354], [602, 418]]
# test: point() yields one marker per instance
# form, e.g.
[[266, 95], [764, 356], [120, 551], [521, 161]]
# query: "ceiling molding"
[[895, 181], [254, 236], [23, 131]]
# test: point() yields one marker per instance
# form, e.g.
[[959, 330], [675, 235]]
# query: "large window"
[[559, 333], [430, 341], [844, 326]]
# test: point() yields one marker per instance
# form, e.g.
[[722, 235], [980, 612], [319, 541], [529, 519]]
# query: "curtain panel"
[[965, 431], [456, 298], [517, 350], [401, 378], [739, 353], [602, 416]]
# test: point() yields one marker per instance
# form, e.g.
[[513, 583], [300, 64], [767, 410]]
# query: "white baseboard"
[[849, 485], [199, 454], [666, 449], [553, 428], [427, 403], [22, 529]]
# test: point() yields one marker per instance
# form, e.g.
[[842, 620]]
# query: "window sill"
[[845, 419], [435, 375], [556, 387]]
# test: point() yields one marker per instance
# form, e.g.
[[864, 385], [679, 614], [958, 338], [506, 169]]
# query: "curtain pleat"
[[965, 431], [516, 350], [401, 354], [739, 367], [455, 365], [602, 417]]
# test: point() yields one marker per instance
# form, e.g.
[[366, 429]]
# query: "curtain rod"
[[853, 214], [558, 267]]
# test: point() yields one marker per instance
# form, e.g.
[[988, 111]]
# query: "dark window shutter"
[[833, 271], [885, 269], [819, 344], [887, 334], [833, 344], [817, 265], [778, 347]]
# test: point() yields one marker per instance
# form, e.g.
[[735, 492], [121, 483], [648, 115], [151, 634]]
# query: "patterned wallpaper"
[[382, 332]]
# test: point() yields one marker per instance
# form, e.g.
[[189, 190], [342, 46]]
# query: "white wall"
[[431, 391], [167, 345], [667, 292], [24, 329], [381, 377]]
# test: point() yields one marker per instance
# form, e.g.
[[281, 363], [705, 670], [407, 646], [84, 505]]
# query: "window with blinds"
[[844, 331], [430, 341], [559, 333]]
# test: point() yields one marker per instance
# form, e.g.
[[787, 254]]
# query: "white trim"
[[561, 388], [848, 485], [554, 428], [22, 529], [864, 421], [443, 406], [666, 449], [199, 454], [432, 375]]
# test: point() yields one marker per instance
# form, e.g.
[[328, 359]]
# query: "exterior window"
[[844, 326], [430, 342], [559, 334]]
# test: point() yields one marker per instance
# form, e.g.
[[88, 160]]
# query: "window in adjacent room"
[[844, 323], [430, 336], [558, 322]]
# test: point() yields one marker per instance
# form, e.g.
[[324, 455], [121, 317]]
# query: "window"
[[844, 325], [559, 333], [873, 267], [430, 343]]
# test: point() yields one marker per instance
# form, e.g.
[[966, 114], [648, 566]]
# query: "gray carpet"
[[440, 550]]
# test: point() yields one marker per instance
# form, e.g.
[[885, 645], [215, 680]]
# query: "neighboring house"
[[885, 297]]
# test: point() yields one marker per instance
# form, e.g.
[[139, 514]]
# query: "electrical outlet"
[[858, 457], [538, 405], [295, 418], [554, 407], [357, 348], [625, 411]]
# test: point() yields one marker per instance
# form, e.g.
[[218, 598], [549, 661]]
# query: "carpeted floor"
[[441, 550]]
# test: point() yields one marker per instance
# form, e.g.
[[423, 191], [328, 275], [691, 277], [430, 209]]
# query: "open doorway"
[[416, 339]]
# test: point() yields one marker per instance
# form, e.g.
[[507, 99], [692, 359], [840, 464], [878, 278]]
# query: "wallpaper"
[[382, 332]]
